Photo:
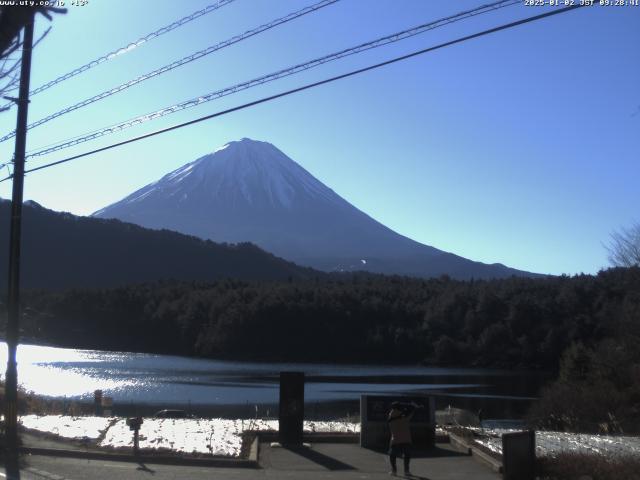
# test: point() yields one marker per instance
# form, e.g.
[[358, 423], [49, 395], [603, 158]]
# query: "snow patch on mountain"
[[226, 145], [181, 173]]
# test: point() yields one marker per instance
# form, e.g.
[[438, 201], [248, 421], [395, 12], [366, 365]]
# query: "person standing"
[[400, 426]]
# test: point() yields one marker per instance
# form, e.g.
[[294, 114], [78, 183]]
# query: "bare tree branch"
[[12, 21], [46, 32], [624, 247]]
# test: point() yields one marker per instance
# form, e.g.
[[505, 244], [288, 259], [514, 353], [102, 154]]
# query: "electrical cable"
[[195, 101], [310, 85], [131, 46], [176, 64]]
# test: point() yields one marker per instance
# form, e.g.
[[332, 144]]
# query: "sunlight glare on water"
[[50, 371]]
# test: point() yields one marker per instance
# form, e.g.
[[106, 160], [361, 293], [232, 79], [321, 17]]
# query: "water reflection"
[[164, 379]]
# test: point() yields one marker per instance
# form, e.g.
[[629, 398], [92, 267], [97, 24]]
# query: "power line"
[[179, 63], [309, 86], [131, 46], [193, 102]]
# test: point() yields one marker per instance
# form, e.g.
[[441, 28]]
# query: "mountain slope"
[[251, 191], [61, 250]]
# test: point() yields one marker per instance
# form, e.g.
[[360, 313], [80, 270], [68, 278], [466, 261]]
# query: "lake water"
[[171, 380]]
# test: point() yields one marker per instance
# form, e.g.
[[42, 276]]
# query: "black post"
[[97, 403], [519, 455], [12, 467], [136, 442], [291, 414]]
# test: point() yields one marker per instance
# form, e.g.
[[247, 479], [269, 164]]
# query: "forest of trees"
[[516, 322]]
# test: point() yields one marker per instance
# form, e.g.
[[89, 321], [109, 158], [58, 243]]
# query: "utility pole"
[[12, 466]]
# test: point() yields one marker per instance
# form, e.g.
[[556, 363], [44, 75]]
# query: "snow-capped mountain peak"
[[248, 190], [245, 171]]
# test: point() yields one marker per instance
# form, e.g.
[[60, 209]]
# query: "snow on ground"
[[553, 443], [331, 427], [217, 436], [66, 426], [220, 436]]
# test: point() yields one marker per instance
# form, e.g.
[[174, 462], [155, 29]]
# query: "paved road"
[[51, 468], [321, 461]]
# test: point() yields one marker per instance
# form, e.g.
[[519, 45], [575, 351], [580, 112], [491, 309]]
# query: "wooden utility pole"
[[12, 467]]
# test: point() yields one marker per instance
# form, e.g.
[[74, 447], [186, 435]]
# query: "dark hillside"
[[61, 250]]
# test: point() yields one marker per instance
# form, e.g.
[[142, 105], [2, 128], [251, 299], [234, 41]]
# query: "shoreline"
[[328, 410]]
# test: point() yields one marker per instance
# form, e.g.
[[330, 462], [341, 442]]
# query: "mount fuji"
[[250, 191]]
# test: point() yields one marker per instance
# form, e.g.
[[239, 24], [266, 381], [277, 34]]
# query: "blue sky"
[[519, 148]]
